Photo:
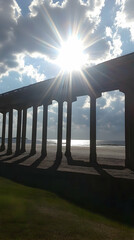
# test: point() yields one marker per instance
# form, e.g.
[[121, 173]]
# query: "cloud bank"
[[39, 33], [30, 39]]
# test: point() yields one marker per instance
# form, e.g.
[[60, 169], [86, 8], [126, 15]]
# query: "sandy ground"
[[111, 160], [117, 152]]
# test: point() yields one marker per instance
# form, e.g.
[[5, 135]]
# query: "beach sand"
[[110, 158], [105, 151]]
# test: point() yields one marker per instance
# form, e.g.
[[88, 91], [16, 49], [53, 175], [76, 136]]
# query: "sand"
[[117, 152], [110, 158]]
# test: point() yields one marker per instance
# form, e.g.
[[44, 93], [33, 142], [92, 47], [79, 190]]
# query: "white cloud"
[[29, 115], [109, 100], [85, 116], [40, 33], [108, 32], [53, 108], [116, 45], [35, 4], [32, 72], [22, 68], [86, 103], [16, 11], [94, 13], [125, 16]]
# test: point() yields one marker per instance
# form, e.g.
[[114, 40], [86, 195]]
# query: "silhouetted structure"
[[116, 74]]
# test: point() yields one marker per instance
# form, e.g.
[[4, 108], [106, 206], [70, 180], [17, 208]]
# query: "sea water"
[[86, 143], [76, 142]]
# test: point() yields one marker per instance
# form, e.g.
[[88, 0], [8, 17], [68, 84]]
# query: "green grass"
[[28, 213]]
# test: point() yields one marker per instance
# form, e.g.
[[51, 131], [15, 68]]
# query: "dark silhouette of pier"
[[77, 180]]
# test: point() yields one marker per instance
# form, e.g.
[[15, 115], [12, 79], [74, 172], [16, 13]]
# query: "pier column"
[[92, 130], [34, 131], [24, 124], [10, 130], [68, 129], [59, 135], [44, 131], [2, 148], [129, 129], [18, 136]]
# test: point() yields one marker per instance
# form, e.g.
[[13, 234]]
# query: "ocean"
[[77, 143], [86, 143]]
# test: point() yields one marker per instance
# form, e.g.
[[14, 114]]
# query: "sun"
[[71, 55]]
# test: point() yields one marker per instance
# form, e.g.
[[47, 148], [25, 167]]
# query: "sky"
[[31, 38]]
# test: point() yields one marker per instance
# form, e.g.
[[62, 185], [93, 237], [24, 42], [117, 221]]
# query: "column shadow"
[[17, 161], [4, 154], [101, 171], [112, 167], [112, 197], [37, 162], [7, 157], [55, 165], [76, 162]]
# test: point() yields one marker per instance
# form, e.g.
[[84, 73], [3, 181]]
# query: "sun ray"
[[45, 43], [87, 44], [60, 75], [52, 25], [88, 83], [71, 56]]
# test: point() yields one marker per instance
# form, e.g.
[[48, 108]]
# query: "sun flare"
[[71, 55]]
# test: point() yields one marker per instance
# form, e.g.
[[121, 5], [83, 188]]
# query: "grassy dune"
[[28, 213]]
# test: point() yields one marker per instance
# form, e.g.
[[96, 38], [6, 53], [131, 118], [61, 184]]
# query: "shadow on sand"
[[100, 192]]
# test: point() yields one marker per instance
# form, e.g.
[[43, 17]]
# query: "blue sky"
[[30, 43]]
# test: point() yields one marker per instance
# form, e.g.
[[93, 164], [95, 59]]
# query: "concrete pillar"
[[92, 130], [68, 129], [44, 131], [23, 146], [18, 136], [59, 135], [34, 131], [10, 130], [2, 148], [129, 129]]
